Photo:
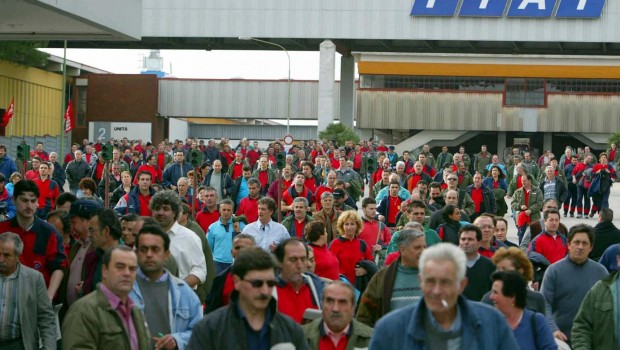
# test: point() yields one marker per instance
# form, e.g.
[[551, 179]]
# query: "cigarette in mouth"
[[444, 303]]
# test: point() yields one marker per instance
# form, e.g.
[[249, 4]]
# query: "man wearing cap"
[[80, 213], [339, 200]]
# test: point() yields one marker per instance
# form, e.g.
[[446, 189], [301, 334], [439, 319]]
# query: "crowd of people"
[[324, 251]]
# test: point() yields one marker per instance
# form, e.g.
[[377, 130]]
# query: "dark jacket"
[[605, 235], [560, 189], [375, 301], [214, 298], [132, 202], [489, 205], [7, 167], [76, 171], [225, 329], [227, 183], [173, 172], [117, 194], [59, 175]]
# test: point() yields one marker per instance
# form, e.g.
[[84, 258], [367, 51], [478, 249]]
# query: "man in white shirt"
[[185, 246], [268, 233]]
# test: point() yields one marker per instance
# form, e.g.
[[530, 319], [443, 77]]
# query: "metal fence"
[[50, 143]]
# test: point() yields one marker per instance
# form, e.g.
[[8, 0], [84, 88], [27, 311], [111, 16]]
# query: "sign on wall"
[[509, 8], [116, 130]]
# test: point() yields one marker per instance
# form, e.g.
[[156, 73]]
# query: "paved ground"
[[614, 204]]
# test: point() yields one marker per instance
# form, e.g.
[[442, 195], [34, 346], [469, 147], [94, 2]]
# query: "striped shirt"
[[10, 327]]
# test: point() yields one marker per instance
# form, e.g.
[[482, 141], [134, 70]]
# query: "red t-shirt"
[[293, 303], [249, 208], [299, 228], [144, 204], [263, 178], [326, 263], [348, 253], [393, 209], [237, 170], [326, 343], [205, 218], [476, 196]]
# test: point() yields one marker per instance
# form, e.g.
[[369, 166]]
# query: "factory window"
[[432, 83], [583, 86], [525, 93], [81, 106]]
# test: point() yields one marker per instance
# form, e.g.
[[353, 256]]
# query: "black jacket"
[[605, 234], [489, 205], [227, 183], [225, 329]]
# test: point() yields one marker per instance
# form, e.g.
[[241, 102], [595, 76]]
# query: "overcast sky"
[[206, 64]]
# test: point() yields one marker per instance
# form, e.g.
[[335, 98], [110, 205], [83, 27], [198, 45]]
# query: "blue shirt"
[[244, 191], [220, 238]]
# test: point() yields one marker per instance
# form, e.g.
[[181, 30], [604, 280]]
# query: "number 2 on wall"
[[102, 133]]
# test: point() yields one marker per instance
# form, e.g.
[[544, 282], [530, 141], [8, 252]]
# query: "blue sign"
[[483, 8], [580, 9], [434, 7], [531, 8]]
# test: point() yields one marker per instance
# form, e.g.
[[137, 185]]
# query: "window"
[[432, 83], [81, 106], [525, 93]]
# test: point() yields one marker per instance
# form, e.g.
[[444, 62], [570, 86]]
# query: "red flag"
[[69, 118], [8, 114]]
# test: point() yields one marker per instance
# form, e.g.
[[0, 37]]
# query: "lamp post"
[[288, 114]]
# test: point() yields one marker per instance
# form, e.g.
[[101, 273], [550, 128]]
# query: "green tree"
[[614, 138], [339, 133], [24, 52]]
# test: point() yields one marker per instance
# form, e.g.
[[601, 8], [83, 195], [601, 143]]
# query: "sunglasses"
[[452, 179], [260, 283]]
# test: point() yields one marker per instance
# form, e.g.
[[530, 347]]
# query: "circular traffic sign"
[[288, 139]]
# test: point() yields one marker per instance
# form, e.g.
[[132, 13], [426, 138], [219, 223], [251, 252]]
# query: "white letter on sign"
[[524, 3], [430, 4], [582, 5], [484, 4]]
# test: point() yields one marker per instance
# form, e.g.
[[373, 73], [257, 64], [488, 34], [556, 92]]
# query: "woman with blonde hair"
[[13, 179], [348, 248]]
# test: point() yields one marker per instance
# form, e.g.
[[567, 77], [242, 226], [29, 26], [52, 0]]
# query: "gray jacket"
[[36, 313]]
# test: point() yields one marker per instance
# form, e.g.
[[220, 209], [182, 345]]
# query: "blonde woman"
[[348, 249]]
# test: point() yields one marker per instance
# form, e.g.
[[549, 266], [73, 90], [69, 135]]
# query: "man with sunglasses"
[[251, 318]]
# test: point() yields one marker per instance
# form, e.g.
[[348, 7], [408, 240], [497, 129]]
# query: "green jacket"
[[596, 323], [467, 180], [480, 162], [359, 339], [289, 224], [92, 323], [535, 202], [512, 186]]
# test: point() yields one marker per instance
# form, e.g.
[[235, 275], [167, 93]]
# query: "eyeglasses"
[[452, 179], [260, 283]]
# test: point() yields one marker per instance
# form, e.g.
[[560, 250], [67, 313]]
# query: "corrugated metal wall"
[[484, 112], [38, 97], [359, 19], [252, 132], [235, 99]]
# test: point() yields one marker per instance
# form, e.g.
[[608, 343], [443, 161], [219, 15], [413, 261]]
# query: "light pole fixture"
[[288, 114]]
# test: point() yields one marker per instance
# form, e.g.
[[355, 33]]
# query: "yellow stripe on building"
[[488, 70]]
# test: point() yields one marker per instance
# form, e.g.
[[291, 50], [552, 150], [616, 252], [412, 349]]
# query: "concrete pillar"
[[347, 91], [548, 143], [501, 144], [327, 73]]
